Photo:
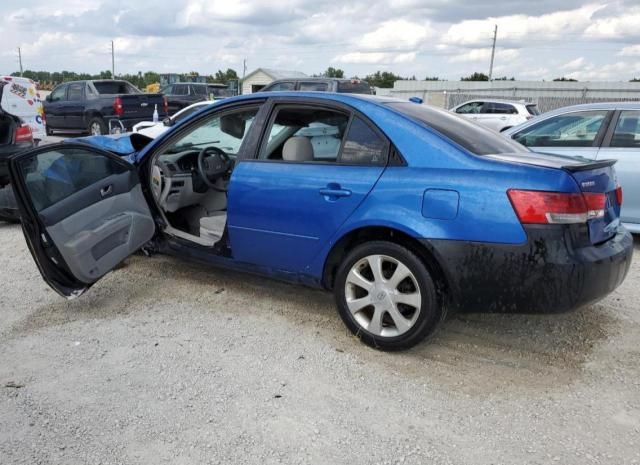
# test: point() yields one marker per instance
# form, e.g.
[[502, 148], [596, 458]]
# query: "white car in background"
[[498, 115], [21, 98], [153, 130]]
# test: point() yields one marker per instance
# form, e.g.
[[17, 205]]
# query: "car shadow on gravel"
[[487, 349]]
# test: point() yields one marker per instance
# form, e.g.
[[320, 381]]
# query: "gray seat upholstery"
[[297, 149], [212, 227]]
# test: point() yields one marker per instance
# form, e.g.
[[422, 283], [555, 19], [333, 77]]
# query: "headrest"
[[297, 149]]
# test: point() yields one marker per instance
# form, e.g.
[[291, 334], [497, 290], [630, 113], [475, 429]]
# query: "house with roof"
[[261, 77]]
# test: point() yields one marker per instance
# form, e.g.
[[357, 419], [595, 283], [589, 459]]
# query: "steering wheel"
[[213, 163]]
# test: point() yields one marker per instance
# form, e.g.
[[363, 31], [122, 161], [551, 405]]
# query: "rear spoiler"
[[591, 165]]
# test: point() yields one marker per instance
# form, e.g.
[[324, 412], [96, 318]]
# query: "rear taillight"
[[538, 207], [117, 106], [24, 134], [165, 105], [619, 195]]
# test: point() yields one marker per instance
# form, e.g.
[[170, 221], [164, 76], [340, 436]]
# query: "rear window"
[[533, 109], [473, 137], [314, 86], [354, 87], [199, 90], [115, 87]]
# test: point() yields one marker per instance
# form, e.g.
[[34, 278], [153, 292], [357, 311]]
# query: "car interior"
[[189, 178]]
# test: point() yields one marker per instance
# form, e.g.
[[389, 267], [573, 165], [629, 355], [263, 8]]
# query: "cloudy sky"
[[537, 39]]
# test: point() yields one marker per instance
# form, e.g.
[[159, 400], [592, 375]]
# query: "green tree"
[[564, 79], [635, 80], [383, 79], [224, 76], [333, 73], [476, 77], [432, 78]]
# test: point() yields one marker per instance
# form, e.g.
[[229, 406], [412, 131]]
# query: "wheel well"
[[360, 236]]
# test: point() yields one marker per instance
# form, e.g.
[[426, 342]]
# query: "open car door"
[[82, 211]]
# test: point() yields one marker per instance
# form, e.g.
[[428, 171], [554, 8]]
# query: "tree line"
[[382, 79]]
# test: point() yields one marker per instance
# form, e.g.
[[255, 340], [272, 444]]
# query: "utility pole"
[[493, 51], [113, 62], [20, 60]]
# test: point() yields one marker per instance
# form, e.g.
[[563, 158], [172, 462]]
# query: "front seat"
[[297, 148]]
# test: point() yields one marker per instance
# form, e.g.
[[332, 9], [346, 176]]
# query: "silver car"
[[595, 131]]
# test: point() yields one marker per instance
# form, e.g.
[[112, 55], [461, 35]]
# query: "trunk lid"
[[142, 105], [592, 177]]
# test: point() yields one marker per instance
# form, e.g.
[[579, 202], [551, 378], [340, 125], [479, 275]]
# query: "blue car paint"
[[278, 216], [278, 222]]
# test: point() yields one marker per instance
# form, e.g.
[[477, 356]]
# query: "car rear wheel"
[[97, 127], [386, 296]]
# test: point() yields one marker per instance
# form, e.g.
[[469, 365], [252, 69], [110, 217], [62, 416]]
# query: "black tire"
[[49, 131], [99, 123], [431, 313]]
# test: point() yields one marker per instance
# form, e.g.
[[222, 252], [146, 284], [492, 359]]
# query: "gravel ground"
[[168, 362]]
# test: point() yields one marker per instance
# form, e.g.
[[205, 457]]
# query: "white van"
[[21, 98]]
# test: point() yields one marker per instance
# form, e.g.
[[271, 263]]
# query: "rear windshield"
[[115, 87], [533, 110], [473, 137], [354, 87]]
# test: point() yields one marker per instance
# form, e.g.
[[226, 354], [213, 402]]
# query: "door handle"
[[106, 190], [334, 191], [503, 118]]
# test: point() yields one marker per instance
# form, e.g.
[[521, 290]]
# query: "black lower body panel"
[[554, 271]]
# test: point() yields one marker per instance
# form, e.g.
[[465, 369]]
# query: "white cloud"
[[396, 35], [484, 55], [616, 27], [375, 58], [520, 27], [618, 71], [630, 51], [574, 64]]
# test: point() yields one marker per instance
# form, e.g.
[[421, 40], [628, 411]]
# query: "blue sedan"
[[405, 212]]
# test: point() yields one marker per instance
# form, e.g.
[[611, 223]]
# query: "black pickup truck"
[[99, 107]]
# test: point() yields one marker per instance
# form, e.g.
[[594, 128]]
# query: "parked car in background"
[[15, 136], [345, 86], [22, 99], [99, 107], [413, 213], [498, 115], [182, 94], [153, 130], [598, 131]]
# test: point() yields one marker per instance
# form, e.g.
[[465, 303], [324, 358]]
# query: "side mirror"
[[168, 122]]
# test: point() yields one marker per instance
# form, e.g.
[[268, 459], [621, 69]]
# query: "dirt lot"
[[167, 362]]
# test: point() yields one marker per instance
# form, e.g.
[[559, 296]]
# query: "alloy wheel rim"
[[96, 130], [383, 295]]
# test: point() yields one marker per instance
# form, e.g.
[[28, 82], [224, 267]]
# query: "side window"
[[225, 131], [55, 175], [364, 146], [180, 90], [199, 90], [283, 86], [570, 130], [470, 108], [58, 94], [627, 132], [496, 108], [313, 86], [75, 91], [305, 134]]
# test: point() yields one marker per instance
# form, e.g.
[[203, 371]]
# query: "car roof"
[[597, 106], [497, 100], [318, 78], [305, 95]]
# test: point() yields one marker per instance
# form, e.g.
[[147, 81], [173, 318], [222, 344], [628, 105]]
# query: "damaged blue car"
[[405, 212]]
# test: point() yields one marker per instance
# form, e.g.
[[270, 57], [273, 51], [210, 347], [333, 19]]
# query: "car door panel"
[[622, 143], [84, 219], [281, 214]]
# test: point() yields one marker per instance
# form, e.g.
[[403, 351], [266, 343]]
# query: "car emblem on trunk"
[[586, 184]]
